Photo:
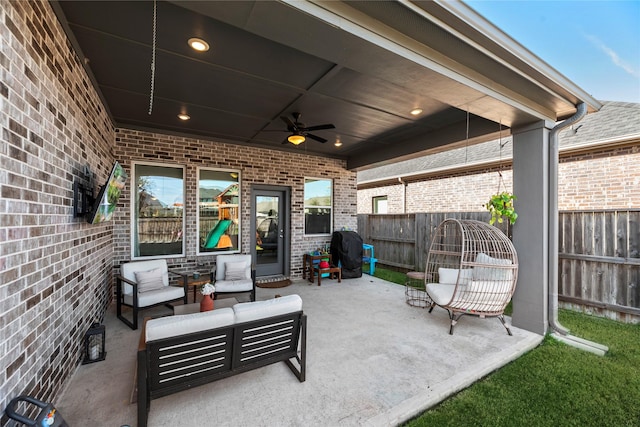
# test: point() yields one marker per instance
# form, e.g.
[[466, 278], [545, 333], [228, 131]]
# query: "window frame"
[[134, 216], [375, 200], [239, 181], [304, 206]]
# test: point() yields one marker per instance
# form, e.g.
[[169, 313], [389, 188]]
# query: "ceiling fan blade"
[[320, 127], [317, 138], [290, 125]]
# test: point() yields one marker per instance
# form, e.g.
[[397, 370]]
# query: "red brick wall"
[[257, 166]]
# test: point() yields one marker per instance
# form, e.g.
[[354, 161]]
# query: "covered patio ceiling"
[[362, 66]]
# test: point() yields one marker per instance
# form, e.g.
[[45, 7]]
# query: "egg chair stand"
[[472, 269]]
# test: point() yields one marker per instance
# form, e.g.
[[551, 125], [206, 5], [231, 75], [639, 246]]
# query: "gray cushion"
[[149, 280], [235, 271]]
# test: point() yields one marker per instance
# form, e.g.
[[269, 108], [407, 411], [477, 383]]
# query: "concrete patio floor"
[[372, 360]]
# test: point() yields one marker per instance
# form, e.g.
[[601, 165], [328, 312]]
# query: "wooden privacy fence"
[[599, 253], [402, 240], [599, 261]]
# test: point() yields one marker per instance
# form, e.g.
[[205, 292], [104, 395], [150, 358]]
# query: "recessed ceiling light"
[[198, 44], [183, 116], [338, 143], [416, 111]]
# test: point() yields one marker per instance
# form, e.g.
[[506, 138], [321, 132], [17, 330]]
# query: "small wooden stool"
[[333, 273]]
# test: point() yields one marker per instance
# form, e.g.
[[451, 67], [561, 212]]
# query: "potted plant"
[[501, 205], [207, 302]]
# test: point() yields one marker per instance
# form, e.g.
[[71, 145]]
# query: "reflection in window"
[[218, 210], [317, 206], [380, 205], [158, 225]]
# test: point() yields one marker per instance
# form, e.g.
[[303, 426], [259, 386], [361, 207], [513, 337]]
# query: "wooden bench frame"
[[218, 353]]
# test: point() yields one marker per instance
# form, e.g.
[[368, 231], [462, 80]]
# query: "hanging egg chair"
[[472, 268]]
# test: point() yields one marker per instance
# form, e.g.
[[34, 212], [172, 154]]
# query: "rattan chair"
[[472, 268]]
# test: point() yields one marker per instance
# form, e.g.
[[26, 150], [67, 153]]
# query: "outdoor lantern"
[[94, 349]]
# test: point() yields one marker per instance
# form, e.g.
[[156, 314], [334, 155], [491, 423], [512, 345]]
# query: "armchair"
[[235, 274], [145, 284]]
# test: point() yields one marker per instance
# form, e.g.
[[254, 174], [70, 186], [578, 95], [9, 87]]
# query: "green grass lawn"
[[554, 384]]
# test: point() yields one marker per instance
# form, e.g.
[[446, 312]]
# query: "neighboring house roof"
[[615, 123]]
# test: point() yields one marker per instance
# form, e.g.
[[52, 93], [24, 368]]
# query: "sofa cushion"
[[248, 311], [450, 275], [149, 280], [490, 273], [171, 326]]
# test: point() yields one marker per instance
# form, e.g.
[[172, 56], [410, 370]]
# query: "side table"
[[205, 277]]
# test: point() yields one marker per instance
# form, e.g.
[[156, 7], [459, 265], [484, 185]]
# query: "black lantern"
[[94, 349]]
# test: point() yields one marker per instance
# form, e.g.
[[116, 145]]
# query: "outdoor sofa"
[[184, 351]]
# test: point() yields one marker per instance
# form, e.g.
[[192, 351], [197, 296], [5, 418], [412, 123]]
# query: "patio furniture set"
[[183, 351]]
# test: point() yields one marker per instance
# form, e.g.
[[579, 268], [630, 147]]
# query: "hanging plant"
[[501, 205]]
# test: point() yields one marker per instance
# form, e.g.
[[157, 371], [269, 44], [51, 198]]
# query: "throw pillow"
[[488, 273], [149, 280], [235, 270], [450, 275]]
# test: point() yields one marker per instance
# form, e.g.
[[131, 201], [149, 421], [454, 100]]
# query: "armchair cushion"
[[223, 260], [128, 271], [149, 280], [236, 271], [146, 299]]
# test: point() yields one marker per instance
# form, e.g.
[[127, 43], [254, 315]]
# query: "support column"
[[531, 187]]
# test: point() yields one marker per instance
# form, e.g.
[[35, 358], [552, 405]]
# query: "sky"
[[595, 44]]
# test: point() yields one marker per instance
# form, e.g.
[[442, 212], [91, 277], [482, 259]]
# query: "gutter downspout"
[[560, 332], [404, 195]]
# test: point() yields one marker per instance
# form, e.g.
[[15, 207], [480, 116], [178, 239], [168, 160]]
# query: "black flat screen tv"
[[107, 200]]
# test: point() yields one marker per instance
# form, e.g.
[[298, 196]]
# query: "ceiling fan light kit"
[[299, 132], [296, 139]]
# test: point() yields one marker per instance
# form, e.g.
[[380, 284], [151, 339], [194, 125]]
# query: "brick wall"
[[257, 166], [601, 179], [55, 270]]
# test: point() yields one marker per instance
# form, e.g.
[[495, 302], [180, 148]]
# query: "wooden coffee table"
[[195, 307]]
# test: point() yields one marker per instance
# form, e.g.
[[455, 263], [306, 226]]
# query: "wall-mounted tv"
[[107, 200]]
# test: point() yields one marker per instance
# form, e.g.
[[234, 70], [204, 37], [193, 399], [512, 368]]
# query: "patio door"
[[270, 230]]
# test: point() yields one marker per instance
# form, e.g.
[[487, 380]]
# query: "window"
[[218, 210], [158, 211], [318, 206], [380, 205]]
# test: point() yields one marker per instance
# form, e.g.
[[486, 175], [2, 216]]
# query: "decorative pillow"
[[149, 280], [450, 275], [488, 273], [235, 270]]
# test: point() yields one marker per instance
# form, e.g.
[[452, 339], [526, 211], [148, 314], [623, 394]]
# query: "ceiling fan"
[[299, 132]]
